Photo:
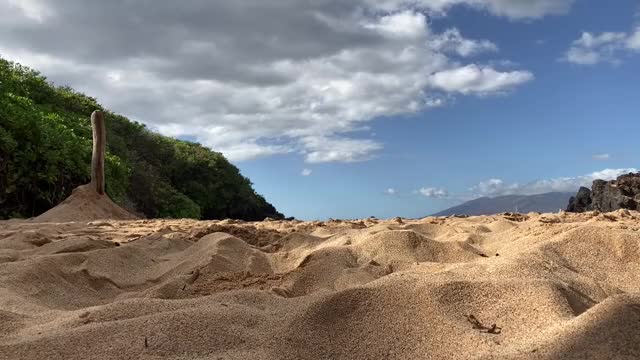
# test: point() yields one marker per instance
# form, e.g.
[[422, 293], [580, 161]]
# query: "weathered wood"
[[99, 145]]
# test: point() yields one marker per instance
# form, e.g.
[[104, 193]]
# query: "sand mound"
[[84, 204], [540, 286]]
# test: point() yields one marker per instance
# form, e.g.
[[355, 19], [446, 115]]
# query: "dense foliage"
[[45, 152]]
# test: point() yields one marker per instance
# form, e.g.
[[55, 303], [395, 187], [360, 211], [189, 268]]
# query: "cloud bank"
[[261, 78], [498, 187]]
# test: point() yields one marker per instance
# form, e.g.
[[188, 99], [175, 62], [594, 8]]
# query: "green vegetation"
[[45, 152]]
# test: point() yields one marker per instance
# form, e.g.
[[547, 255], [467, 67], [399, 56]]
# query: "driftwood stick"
[[99, 144]]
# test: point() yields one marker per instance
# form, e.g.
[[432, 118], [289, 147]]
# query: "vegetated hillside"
[[45, 152], [543, 203]]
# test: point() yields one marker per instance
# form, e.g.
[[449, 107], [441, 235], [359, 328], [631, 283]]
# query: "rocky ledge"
[[606, 196]]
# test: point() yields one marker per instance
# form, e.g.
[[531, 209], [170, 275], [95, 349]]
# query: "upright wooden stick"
[[99, 143]]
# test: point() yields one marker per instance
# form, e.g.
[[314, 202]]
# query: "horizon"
[[354, 110]]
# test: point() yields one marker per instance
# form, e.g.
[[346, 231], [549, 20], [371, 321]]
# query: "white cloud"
[[601, 156], [528, 8], [498, 187], [591, 49], [390, 191], [590, 41], [322, 149], [405, 24], [262, 78], [434, 193], [514, 9], [472, 79], [451, 41], [306, 172], [492, 187], [582, 56], [250, 150], [633, 41]]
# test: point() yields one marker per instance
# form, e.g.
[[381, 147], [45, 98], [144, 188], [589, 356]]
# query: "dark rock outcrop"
[[581, 202], [606, 196]]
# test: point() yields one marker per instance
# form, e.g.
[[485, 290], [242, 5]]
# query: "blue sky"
[[353, 109], [550, 128]]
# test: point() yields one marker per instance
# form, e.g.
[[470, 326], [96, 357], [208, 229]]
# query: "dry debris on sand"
[[537, 286]]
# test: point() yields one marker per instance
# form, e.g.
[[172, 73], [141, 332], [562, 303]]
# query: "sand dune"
[[507, 286]]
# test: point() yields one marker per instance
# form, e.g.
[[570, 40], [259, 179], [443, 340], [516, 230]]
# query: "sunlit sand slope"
[[508, 286]]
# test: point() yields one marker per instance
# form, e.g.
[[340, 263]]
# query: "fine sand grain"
[[549, 286]]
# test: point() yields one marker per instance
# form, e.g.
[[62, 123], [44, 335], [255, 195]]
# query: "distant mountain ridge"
[[543, 203]]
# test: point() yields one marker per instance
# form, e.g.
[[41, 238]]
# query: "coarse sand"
[[77, 284]]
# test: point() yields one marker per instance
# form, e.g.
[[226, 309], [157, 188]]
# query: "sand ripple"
[[554, 285]]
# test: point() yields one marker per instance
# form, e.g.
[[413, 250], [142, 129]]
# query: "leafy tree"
[[45, 152]]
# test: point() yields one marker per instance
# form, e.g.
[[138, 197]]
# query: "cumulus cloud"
[[323, 149], [405, 24], [390, 191], [452, 41], [591, 49], [262, 78], [498, 187], [306, 172], [434, 193], [479, 80]]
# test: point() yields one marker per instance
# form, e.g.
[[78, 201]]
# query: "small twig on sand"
[[146, 343], [493, 329], [194, 276]]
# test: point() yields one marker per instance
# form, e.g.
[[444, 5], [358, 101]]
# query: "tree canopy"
[[45, 152]]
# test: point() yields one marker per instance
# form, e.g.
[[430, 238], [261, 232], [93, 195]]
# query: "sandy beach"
[[463, 169], [537, 286]]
